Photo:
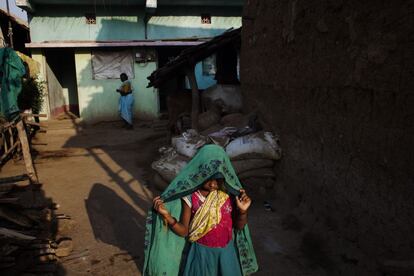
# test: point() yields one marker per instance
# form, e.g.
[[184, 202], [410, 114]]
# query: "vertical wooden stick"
[[195, 97], [26, 153]]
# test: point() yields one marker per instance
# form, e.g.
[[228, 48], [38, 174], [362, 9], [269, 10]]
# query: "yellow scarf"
[[207, 216], [126, 87]]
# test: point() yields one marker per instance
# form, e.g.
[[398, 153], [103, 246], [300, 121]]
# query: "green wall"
[[170, 27], [63, 23], [98, 100]]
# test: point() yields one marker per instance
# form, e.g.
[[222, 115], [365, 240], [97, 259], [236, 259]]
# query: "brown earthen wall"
[[335, 79]]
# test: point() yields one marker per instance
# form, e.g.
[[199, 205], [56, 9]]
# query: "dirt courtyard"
[[100, 176]]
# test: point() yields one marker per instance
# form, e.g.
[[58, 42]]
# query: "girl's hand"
[[243, 201], [159, 207]]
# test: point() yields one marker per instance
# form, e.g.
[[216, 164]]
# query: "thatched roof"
[[193, 55], [21, 23]]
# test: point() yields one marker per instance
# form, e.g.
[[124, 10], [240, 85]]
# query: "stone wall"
[[335, 79]]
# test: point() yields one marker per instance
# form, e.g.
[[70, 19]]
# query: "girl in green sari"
[[198, 224]]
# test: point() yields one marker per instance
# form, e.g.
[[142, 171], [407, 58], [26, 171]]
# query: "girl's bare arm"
[[243, 203], [179, 227]]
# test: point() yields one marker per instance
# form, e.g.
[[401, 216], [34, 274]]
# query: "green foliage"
[[32, 94]]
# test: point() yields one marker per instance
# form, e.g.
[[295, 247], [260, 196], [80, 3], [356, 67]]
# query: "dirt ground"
[[100, 176]]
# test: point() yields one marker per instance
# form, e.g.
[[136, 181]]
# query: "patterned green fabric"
[[12, 68], [163, 248]]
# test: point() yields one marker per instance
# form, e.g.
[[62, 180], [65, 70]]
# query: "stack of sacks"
[[175, 158], [167, 167], [230, 95], [188, 143], [219, 99], [252, 151], [253, 157]]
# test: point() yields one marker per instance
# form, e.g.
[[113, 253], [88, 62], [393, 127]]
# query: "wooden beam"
[[33, 115], [26, 5], [192, 55], [195, 95], [28, 162], [14, 234], [2, 40], [14, 179], [8, 151], [35, 124]]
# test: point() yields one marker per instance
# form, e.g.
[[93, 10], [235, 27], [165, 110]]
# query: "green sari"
[[163, 248]]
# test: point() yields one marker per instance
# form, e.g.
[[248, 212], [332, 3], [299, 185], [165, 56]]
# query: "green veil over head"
[[163, 248]]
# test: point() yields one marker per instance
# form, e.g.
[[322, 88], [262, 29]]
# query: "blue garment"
[[126, 106], [212, 261]]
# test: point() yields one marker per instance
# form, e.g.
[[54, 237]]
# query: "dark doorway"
[[61, 78], [165, 54]]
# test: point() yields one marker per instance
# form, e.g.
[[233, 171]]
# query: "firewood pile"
[[29, 241], [10, 144]]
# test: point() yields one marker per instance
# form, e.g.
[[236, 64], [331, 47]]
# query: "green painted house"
[[83, 45]]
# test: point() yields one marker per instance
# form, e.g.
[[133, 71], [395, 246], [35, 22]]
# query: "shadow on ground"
[[114, 221]]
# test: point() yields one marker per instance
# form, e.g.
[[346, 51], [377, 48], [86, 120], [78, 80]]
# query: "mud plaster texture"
[[336, 82]]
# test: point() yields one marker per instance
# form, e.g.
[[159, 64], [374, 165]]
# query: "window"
[[205, 19], [110, 64], [90, 18]]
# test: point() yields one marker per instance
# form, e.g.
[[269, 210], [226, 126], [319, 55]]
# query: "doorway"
[[165, 54], [61, 79]]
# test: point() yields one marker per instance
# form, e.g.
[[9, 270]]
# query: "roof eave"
[[100, 44], [26, 5]]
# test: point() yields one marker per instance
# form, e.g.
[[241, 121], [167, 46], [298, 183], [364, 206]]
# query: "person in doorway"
[[126, 101], [198, 226]]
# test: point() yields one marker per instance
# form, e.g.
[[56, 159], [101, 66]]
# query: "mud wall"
[[336, 80]]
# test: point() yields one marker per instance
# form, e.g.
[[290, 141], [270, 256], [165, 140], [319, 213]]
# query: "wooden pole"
[[28, 162], [14, 179], [2, 40], [195, 95], [10, 31], [7, 151]]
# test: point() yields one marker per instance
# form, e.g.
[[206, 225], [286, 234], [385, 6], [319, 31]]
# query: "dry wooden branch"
[[14, 234], [8, 151], [13, 179], [33, 115]]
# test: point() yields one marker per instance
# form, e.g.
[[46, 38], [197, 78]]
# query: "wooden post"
[[10, 31], [195, 97], [26, 153], [2, 40]]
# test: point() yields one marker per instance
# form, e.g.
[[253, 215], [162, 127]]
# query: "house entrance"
[[61, 79], [165, 54]]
